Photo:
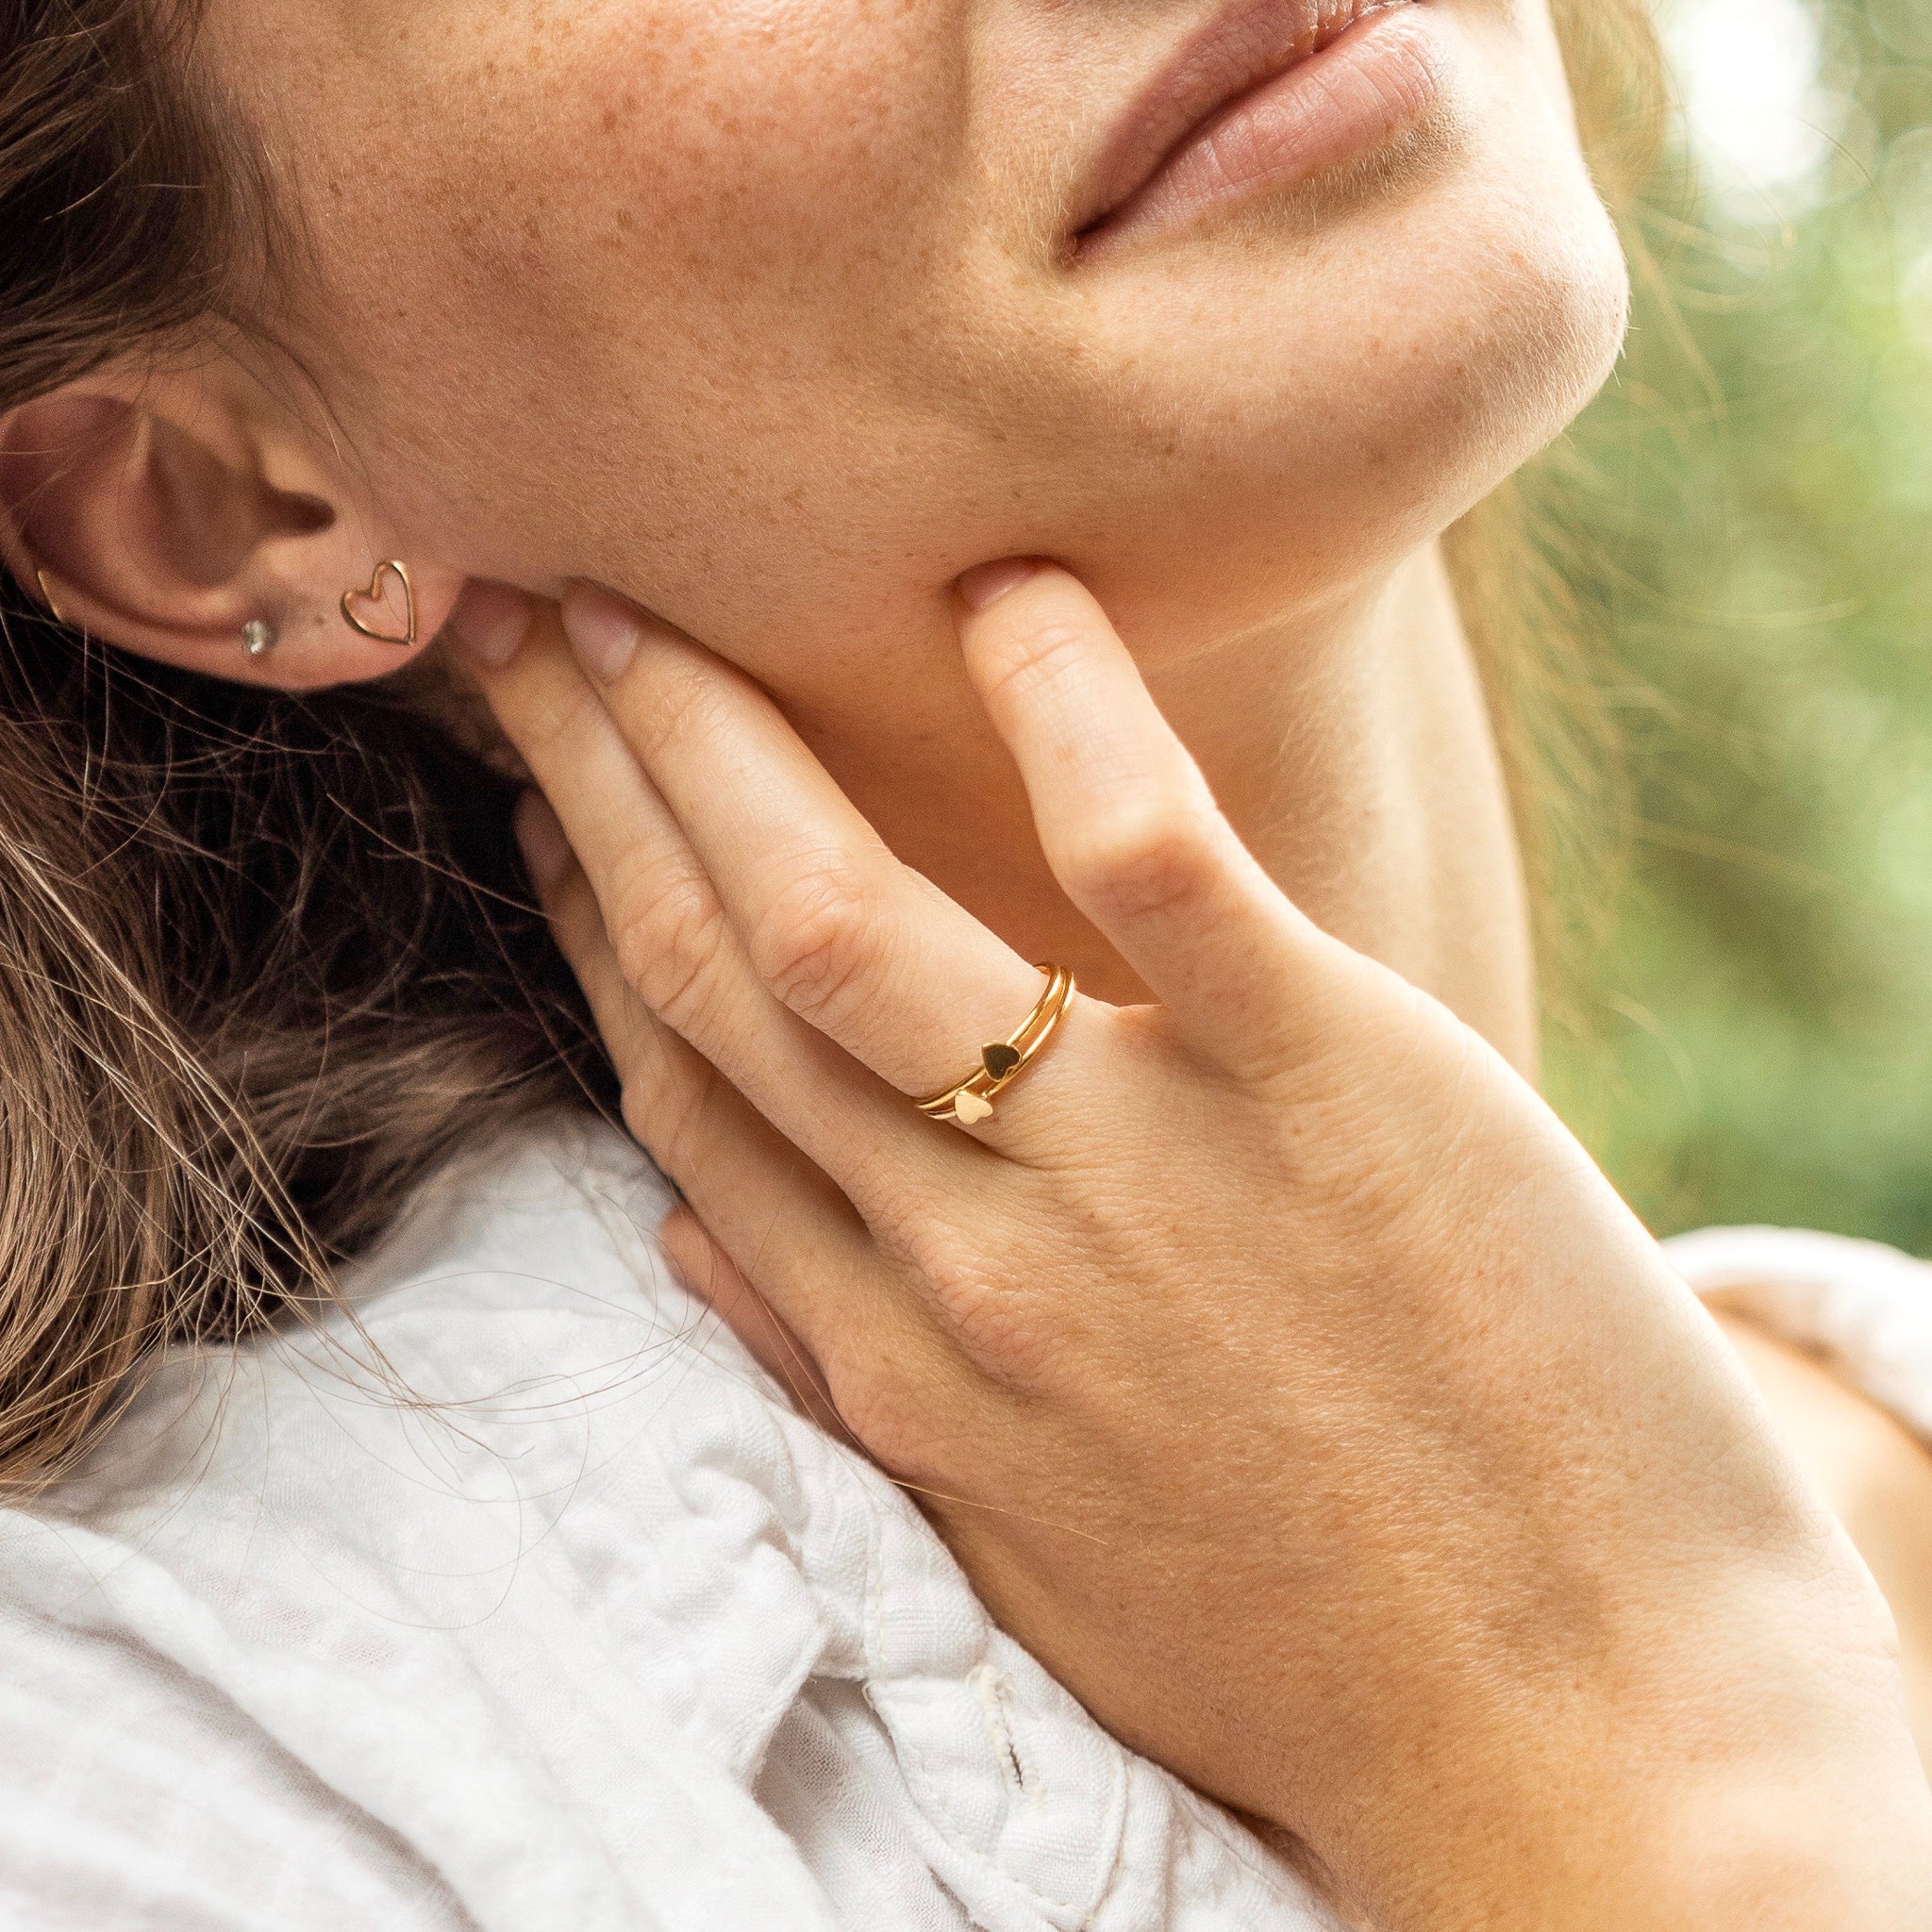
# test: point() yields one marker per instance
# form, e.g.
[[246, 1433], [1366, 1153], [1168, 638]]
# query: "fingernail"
[[603, 630], [986, 583], [490, 621], [541, 836]]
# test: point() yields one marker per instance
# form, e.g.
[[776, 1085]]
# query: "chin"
[[1296, 467]]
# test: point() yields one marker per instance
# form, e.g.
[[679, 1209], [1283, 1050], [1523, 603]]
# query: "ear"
[[162, 511]]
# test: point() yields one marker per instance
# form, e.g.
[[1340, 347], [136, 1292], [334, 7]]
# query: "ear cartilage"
[[260, 637]]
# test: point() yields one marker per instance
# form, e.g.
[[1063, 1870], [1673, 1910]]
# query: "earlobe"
[[192, 523]]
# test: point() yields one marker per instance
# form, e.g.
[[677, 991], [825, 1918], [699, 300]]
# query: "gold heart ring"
[[389, 568], [970, 1101]]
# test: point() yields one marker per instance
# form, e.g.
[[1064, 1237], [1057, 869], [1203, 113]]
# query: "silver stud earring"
[[260, 637]]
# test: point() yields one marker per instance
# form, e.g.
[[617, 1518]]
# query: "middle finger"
[[842, 932], [672, 941]]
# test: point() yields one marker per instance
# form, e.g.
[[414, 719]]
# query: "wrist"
[[1749, 1853], [1803, 1809], [1811, 1847]]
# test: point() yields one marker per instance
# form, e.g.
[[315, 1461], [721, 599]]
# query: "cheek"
[[640, 254], [1338, 409], [696, 296], [1551, 271], [693, 154], [1471, 324]]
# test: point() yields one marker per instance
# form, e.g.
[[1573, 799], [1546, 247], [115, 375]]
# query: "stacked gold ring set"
[[970, 1100]]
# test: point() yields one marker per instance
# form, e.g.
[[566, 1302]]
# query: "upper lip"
[[1246, 43]]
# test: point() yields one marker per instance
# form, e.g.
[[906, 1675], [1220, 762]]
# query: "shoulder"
[[522, 1569], [497, 1563], [512, 1362], [1838, 1335], [513, 1397], [1863, 1308], [133, 1795]]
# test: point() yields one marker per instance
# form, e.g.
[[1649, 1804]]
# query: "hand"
[[1280, 1371]]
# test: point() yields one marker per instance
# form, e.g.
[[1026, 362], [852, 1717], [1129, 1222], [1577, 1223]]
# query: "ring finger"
[[834, 926], [674, 946]]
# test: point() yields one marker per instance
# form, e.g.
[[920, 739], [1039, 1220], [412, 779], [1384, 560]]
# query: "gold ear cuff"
[[54, 609]]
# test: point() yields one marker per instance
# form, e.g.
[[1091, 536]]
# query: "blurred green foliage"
[[1756, 1031]]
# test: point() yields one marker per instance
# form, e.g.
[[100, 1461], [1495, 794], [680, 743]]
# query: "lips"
[[1239, 52]]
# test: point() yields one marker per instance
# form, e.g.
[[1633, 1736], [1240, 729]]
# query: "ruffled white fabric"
[[534, 1608]]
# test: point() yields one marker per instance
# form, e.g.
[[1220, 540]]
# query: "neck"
[[1353, 753]]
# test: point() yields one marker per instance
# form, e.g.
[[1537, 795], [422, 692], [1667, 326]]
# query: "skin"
[[768, 310], [1290, 1215], [864, 200], [1878, 1480]]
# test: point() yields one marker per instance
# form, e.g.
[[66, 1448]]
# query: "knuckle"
[[669, 951], [925, 1419], [904, 1421], [997, 1319], [815, 946], [1159, 859], [671, 1118], [551, 720], [1030, 657], [681, 702]]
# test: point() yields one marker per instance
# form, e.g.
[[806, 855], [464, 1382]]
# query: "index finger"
[[867, 951], [1126, 818]]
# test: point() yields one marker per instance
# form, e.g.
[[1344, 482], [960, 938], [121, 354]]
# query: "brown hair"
[[1514, 560], [264, 960]]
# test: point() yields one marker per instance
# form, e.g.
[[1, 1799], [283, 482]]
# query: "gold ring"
[[970, 1100]]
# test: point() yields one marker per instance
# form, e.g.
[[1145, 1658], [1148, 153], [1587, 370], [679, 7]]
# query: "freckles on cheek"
[[635, 261], [693, 151]]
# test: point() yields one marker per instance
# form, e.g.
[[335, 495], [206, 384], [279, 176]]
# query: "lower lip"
[[1379, 80]]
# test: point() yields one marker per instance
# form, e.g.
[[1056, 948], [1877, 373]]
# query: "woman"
[[511, 1593]]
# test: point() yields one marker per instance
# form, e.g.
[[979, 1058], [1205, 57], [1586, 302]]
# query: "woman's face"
[[775, 314]]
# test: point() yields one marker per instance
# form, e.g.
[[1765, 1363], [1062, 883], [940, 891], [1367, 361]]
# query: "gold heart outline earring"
[[390, 567]]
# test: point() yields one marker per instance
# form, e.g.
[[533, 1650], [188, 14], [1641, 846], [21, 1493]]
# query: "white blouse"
[[519, 1599]]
